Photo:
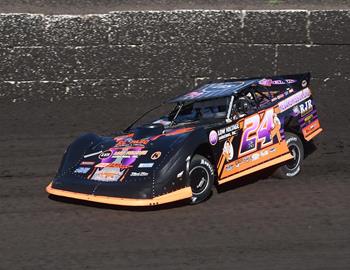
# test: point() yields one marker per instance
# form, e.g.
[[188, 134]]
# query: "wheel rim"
[[199, 179], [293, 163]]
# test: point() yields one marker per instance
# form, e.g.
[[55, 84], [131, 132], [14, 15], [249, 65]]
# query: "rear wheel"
[[202, 176], [292, 167]]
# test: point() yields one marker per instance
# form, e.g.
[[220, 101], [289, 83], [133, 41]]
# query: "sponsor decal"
[[229, 167], [255, 156], [139, 174], [265, 82], [305, 107], [283, 81], [123, 137], [102, 165], [105, 154], [308, 118], [156, 155], [241, 161], [283, 95], [253, 160], [115, 166], [130, 142], [121, 143], [204, 162], [118, 165], [226, 132], [294, 99], [304, 83], [82, 170], [146, 165], [227, 151], [270, 82], [87, 163], [128, 153], [250, 158], [107, 174], [264, 153], [311, 128], [142, 141], [213, 137]]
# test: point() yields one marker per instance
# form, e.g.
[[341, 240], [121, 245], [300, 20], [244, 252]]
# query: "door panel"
[[260, 139]]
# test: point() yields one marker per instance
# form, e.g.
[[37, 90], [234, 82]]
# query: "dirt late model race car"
[[216, 133]]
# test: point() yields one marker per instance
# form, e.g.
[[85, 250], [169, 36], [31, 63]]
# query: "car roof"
[[218, 89], [214, 90]]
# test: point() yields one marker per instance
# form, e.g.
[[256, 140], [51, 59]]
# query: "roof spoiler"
[[298, 77], [300, 80]]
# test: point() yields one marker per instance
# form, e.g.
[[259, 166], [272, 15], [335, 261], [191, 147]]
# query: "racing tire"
[[292, 167], [202, 176]]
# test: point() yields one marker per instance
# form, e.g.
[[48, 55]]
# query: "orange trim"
[[310, 129], [220, 160], [177, 195], [312, 135], [254, 159], [257, 168]]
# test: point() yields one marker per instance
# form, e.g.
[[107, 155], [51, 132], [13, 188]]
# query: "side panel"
[[301, 106], [258, 143]]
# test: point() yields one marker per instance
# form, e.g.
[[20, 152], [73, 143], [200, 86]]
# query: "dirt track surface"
[[103, 6], [267, 224]]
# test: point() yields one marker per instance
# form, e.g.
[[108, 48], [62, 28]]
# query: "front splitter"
[[177, 195]]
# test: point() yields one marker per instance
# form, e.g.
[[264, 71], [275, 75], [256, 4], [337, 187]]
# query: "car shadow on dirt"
[[244, 181]]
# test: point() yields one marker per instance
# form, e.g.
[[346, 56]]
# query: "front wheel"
[[292, 167], [201, 178]]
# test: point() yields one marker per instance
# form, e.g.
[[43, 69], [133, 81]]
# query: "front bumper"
[[181, 194]]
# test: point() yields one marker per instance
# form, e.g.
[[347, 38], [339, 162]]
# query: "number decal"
[[256, 130], [264, 132], [248, 142]]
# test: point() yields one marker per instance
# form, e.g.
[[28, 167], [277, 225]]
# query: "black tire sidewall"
[[284, 171], [203, 162]]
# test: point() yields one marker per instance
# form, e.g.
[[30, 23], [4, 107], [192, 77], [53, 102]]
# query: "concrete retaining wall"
[[61, 76], [146, 54]]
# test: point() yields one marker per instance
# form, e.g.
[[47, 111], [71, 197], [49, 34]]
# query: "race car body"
[[216, 133]]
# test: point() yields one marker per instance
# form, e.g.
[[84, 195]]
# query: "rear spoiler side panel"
[[300, 110]]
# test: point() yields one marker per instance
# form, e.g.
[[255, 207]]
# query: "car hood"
[[133, 157], [121, 166]]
